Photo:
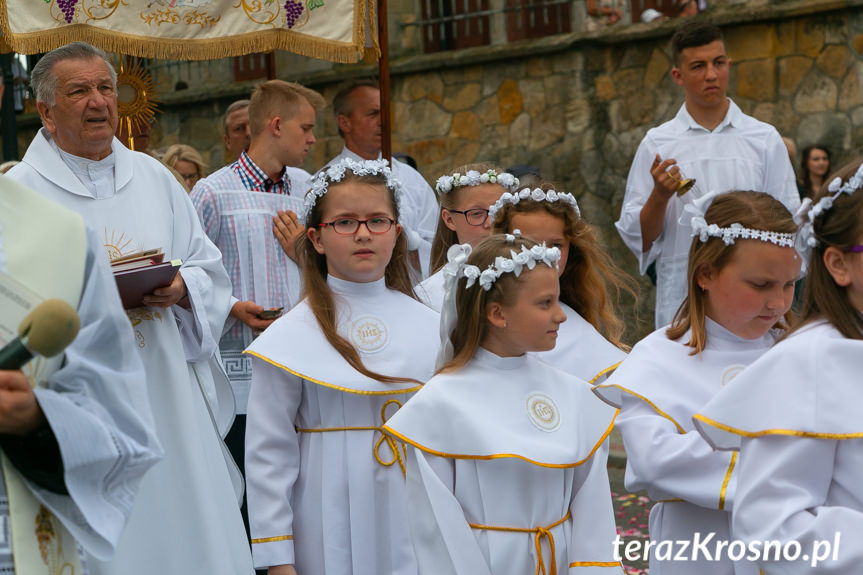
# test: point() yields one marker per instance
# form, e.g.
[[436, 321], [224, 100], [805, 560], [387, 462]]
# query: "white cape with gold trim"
[[795, 416], [507, 442], [186, 519], [320, 499], [581, 350], [659, 386]]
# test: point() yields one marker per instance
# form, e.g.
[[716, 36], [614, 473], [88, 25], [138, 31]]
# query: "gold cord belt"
[[539, 533], [398, 450]]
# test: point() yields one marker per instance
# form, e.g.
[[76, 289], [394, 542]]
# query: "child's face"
[[479, 197], [754, 289], [543, 227], [360, 257], [533, 319]]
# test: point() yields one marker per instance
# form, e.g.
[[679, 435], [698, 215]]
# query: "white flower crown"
[[805, 216], [446, 184], [536, 195], [336, 172], [704, 231], [515, 264]]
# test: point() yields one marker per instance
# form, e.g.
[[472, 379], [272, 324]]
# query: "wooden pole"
[[384, 80]]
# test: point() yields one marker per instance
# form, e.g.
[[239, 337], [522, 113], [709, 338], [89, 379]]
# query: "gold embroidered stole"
[[45, 247]]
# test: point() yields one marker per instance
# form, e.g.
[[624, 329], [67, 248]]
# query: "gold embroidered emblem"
[[369, 334], [543, 412], [50, 545], [730, 373]]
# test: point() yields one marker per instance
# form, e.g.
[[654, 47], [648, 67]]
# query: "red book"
[[134, 284]]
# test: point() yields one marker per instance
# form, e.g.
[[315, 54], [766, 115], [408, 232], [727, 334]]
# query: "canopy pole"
[[384, 80]]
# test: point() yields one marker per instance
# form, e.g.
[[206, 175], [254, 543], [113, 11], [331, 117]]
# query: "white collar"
[[349, 288], [684, 120], [486, 358], [720, 338]]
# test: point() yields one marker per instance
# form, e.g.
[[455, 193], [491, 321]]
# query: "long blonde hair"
[[589, 271], [754, 210], [445, 237], [318, 293], [839, 227]]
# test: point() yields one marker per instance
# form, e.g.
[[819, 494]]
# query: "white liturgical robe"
[[794, 414], [659, 386], [96, 402], [326, 487], [187, 519], [508, 443]]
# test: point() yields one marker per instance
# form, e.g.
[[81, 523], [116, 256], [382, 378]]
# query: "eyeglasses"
[[349, 226], [474, 217], [855, 249]]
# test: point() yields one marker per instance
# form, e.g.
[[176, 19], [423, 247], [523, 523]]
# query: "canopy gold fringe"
[[195, 49]]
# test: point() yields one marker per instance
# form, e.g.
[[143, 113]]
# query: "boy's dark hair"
[[692, 35]]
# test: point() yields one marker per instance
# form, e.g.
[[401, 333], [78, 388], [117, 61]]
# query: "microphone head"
[[50, 327]]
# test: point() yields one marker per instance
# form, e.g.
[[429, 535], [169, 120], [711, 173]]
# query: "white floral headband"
[[336, 172], [704, 231], [446, 184], [805, 216], [514, 265], [536, 195]]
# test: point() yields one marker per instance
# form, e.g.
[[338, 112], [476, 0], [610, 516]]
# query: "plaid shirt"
[[255, 180]]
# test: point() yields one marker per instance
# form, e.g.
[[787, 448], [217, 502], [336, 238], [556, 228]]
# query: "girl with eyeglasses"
[[326, 489], [465, 197]]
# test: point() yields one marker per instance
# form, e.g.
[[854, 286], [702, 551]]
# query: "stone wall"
[[577, 105]]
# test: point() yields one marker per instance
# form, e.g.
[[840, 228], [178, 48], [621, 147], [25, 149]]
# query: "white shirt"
[[741, 153], [794, 414]]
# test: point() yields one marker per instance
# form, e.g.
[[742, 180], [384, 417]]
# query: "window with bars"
[[537, 18], [252, 67], [454, 24]]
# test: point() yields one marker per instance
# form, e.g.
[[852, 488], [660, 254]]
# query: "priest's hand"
[[287, 228], [249, 313], [20, 413], [168, 295], [282, 570]]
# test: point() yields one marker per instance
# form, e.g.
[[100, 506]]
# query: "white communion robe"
[[795, 417], [325, 498], [432, 290], [508, 443], [187, 518], [658, 387], [93, 396], [581, 350]]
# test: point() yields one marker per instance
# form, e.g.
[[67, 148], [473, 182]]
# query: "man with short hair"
[[187, 517], [709, 140], [357, 107], [238, 139], [241, 207]]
